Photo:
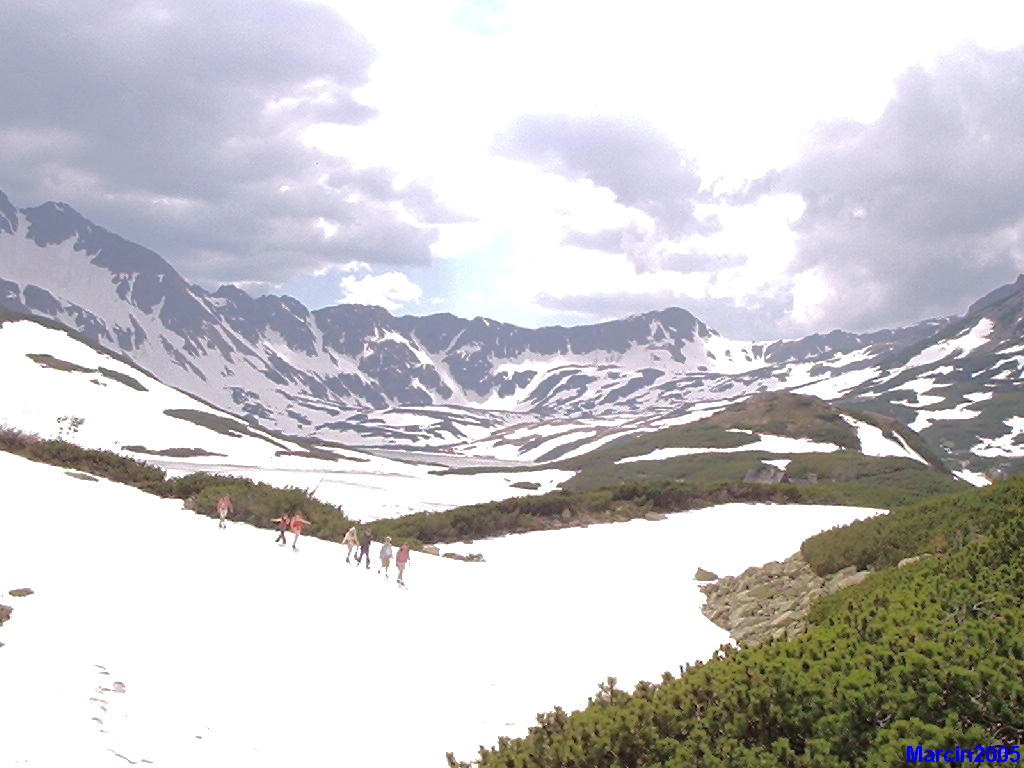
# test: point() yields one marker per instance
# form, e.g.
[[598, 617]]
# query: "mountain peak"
[[8, 215], [998, 295]]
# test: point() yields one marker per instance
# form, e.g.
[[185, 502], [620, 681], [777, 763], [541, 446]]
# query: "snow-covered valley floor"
[[156, 638]]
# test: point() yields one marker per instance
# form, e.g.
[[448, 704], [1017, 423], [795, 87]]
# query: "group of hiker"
[[352, 541], [294, 522]]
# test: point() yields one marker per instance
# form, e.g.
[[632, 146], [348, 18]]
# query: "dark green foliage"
[[898, 481], [254, 503], [933, 525], [258, 503], [559, 509], [102, 463], [930, 654]]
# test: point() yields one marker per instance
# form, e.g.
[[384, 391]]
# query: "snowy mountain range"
[[360, 374]]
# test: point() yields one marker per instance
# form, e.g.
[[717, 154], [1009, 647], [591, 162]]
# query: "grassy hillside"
[[777, 413], [931, 654]]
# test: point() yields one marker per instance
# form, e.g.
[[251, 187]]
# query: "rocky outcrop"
[[471, 558], [771, 601], [703, 575], [21, 592]]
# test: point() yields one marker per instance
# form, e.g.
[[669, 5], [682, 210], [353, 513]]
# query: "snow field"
[[234, 651], [367, 495], [873, 441], [959, 346], [768, 443], [116, 415]]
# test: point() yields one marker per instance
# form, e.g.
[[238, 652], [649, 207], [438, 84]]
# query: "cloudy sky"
[[776, 168]]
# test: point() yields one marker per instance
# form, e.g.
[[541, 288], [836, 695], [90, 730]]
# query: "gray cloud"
[[177, 122], [640, 166], [922, 211], [606, 241]]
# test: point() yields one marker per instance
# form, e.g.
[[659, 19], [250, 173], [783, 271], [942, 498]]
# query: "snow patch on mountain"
[[1009, 445], [873, 441], [958, 346], [767, 443]]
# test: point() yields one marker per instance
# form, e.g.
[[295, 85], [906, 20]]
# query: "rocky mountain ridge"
[[360, 374]]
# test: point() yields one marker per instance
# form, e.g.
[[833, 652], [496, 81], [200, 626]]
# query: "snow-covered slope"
[[50, 376], [272, 359], [256, 656]]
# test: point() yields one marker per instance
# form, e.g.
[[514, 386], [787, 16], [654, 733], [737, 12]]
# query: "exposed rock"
[[430, 549], [766, 475], [473, 558], [82, 476], [771, 601], [703, 575], [654, 516], [908, 560], [20, 592], [5, 613], [190, 503]]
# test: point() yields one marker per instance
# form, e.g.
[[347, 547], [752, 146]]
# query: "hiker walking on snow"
[[364, 548], [224, 508], [351, 540], [283, 524], [402, 560], [385, 557], [296, 524]]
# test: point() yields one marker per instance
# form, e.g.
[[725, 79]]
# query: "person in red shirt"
[[224, 508], [402, 560], [296, 524]]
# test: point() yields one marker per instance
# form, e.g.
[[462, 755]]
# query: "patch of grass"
[[49, 361], [123, 378], [177, 453], [222, 425], [101, 463], [938, 524]]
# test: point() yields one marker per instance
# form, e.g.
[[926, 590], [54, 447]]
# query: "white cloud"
[[390, 290]]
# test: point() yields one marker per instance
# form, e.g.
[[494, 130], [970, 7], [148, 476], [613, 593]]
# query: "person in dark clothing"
[[283, 524], [364, 548]]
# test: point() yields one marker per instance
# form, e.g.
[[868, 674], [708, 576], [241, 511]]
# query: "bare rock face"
[[771, 601], [21, 592], [703, 575]]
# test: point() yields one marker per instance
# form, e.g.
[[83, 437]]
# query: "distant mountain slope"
[[358, 374], [961, 389], [771, 438], [275, 361], [56, 386]]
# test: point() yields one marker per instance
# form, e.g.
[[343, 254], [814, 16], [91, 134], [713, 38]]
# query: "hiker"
[[284, 522], [385, 556], [351, 540], [402, 560], [296, 524], [364, 548], [224, 508]]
